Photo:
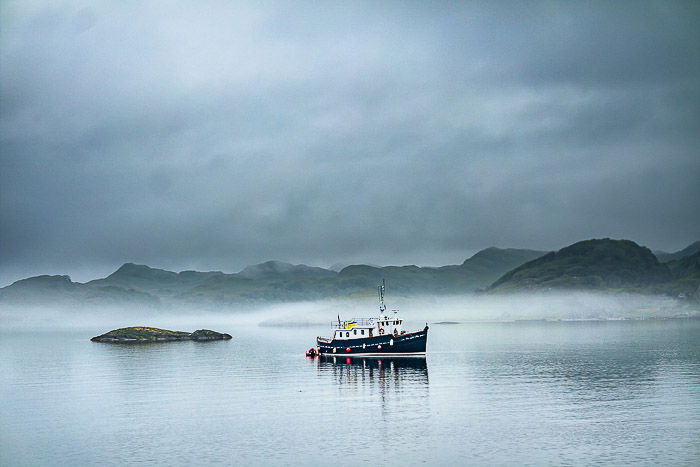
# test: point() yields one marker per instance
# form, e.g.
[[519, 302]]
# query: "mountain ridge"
[[597, 264], [279, 281]]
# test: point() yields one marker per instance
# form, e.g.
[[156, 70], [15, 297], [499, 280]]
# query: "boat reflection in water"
[[388, 372], [383, 390]]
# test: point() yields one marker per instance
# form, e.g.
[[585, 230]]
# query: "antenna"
[[382, 307]]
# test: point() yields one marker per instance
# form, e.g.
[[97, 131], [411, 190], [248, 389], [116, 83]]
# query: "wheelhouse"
[[368, 327]]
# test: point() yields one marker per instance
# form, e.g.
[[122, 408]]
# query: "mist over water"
[[561, 305]]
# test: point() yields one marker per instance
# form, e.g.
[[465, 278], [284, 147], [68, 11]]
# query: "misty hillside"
[[479, 271], [278, 270], [686, 276], [60, 290], [277, 281], [155, 281], [493, 260], [687, 251], [601, 264], [274, 281]]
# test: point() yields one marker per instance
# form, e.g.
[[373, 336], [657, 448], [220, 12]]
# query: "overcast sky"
[[213, 135]]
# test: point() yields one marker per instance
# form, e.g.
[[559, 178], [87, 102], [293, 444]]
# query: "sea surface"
[[518, 393]]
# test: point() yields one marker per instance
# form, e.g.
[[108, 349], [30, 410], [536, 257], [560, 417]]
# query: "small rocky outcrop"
[[207, 335], [139, 334]]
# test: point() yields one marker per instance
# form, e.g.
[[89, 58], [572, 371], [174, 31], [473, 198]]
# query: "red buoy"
[[379, 347], [347, 349]]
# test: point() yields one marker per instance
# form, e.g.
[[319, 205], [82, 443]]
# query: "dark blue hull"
[[413, 343]]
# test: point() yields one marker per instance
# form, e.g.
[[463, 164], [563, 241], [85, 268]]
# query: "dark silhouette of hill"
[[278, 270], [154, 281], [601, 264], [687, 251], [61, 291], [476, 272], [268, 283], [686, 277]]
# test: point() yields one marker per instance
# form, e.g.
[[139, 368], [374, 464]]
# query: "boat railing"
[[349, 324]]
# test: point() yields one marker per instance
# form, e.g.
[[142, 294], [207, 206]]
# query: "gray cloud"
[[215, 134]]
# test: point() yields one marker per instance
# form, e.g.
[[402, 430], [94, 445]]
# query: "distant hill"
[[476, 272], [686, 277], [277, 270], [154, 281], [687, 251], [272, 281], [276, 281], [488, 265], [60, 290], [601, 264]]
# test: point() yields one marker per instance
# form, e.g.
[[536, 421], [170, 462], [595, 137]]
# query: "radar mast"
[[382, 307]]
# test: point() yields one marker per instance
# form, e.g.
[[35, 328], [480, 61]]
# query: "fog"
[[416, 311]]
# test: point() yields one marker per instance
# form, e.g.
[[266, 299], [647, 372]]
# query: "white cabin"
[[390, 324]]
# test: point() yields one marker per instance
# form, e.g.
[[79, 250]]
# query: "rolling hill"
[[687, 251], [600, 264], [686, 277], [62, 291]]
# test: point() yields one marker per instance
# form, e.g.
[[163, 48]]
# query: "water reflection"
[[395, 363], [387, 372], [396, 387]]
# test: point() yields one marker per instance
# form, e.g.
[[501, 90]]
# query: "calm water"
[[489, 394]]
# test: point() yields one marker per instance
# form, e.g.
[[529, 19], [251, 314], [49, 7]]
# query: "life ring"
[[381, 331]]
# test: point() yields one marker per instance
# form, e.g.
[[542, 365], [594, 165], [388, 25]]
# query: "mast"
[[382, 307]]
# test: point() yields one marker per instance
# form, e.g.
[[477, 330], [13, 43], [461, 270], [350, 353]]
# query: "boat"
[[373, 337]]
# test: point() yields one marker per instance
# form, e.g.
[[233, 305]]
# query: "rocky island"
[[139, 334]]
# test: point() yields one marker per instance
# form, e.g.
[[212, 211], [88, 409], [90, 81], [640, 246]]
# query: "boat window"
[[354, 331], [362, 331], [347, 334]]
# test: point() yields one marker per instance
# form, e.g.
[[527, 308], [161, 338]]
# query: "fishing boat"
[[373, 337]]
